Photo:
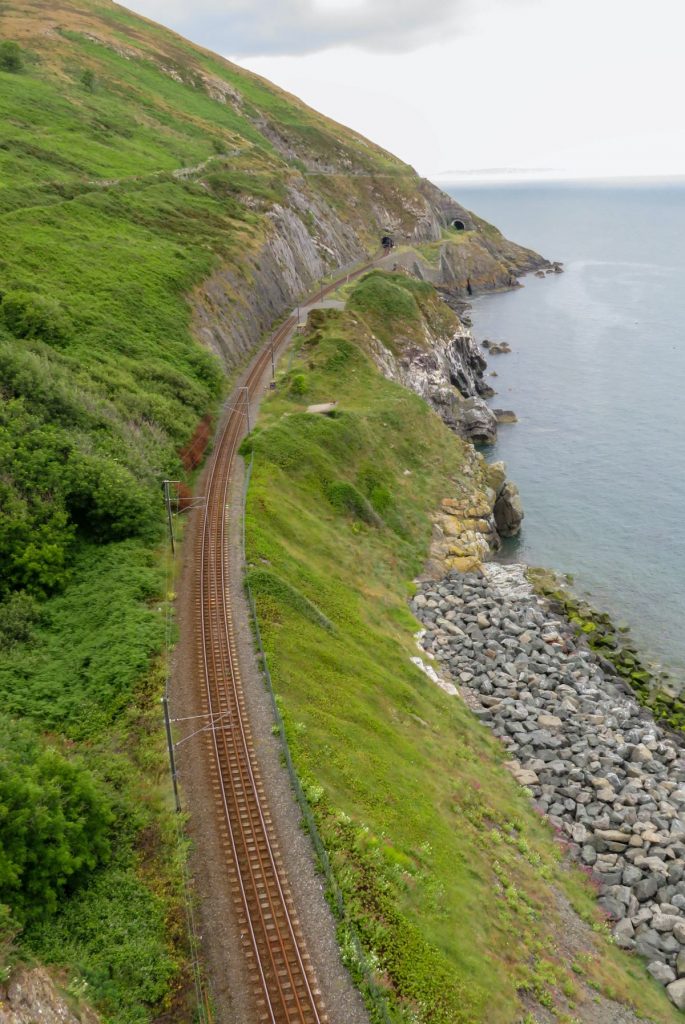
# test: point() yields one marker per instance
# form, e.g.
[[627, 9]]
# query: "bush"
[[346, 498], [298, 384], [11, 58], [114, 929], [30, 315], [18, 615], [88, 80], [54, 823], [106, 501]]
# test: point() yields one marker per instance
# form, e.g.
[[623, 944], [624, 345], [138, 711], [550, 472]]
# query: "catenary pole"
[[170, 745], [167, 502]]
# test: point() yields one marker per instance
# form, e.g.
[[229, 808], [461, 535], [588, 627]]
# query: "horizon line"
[[522, 177]]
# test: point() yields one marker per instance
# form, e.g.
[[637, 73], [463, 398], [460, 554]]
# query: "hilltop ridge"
[[124, 112]]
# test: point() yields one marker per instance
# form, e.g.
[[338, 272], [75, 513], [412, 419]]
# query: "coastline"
[[607, 776], [651, 681]]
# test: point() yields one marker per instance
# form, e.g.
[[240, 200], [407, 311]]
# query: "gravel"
[[595, 762]]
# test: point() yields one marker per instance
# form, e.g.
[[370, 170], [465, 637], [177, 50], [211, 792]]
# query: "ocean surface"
[[597, 379]]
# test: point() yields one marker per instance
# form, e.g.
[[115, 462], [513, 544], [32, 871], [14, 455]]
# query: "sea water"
[[597, 379]]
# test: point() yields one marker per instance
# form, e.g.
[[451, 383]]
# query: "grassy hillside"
[[451, 879], [134, 167], [102, 385]]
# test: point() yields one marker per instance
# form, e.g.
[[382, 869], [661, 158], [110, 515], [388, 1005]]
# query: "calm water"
[[597, 379]]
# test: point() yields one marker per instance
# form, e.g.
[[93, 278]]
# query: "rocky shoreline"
[[606, 775]]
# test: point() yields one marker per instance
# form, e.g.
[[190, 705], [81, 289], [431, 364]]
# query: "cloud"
[[245, 28]]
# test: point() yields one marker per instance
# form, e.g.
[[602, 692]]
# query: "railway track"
[[280, 971]]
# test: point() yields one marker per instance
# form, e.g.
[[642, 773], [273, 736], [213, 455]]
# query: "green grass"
[[398, 306], [445, 869], [431, 250], [102, 384]]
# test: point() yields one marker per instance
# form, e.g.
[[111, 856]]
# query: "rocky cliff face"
[[30, 996], [307, 237], [467, 528], [446, 370]]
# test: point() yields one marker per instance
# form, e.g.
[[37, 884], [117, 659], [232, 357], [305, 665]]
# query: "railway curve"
[[281, 974]]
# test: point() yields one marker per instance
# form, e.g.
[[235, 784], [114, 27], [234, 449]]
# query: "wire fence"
[[375, 992]]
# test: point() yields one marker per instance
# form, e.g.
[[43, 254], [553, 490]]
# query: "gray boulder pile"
[[607, 777]]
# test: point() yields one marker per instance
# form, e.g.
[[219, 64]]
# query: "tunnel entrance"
[[387, 242], [459, 225]]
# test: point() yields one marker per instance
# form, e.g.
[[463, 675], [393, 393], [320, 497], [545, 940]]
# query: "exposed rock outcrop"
[[448, 373], [505, 415], [464, 530], [308, 236], [31, 996], [508, 510], [478, 421]]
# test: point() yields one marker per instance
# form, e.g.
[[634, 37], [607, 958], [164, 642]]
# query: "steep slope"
[[158, 208], [466, 909]]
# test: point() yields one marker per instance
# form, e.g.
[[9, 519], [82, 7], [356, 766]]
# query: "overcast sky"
[[502, 88]]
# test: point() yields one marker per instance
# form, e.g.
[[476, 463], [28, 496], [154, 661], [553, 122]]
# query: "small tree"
[[11, 58]]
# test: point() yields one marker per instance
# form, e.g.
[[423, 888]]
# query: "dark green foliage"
[[88, 80], [54, 823], [30, 315], [114, 930], [18, 615], [344, 497], [298, 384], [53, 484], [93, 645], [11, 57]]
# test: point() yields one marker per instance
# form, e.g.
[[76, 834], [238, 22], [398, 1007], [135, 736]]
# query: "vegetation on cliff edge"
[[448, 875]]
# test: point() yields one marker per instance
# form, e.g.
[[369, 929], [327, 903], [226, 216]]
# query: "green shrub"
[[105, 499], [18, 615], [346, 498], [54, 823], [298, 385], [114, 929], [30, 315], [11, 56]]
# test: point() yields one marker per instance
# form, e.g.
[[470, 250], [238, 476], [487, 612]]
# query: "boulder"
[[676, 992], [497, 476], [478, 421], [508, 510], [661, 972]]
